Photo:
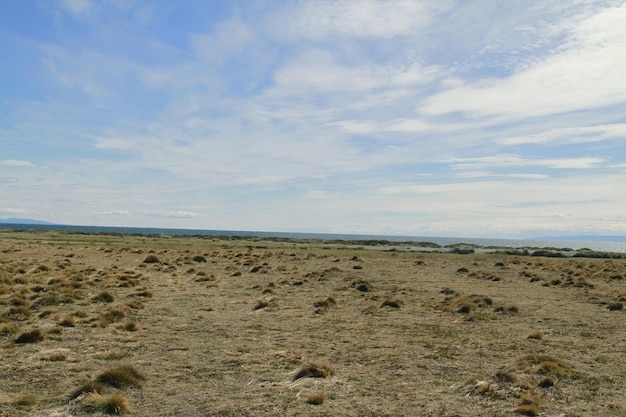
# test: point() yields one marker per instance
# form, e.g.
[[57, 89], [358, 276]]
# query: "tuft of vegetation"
[[68, 322], [121, 377], [393, 303], [361, 285], [616, 306], [270, 304], [527, 410], [130, 326], [316, 398], [314, 370], [151, 259], [104, 297], [88, 387], [113, 404], [26, 400], [34, 336]]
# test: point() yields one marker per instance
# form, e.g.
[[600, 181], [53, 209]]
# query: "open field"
[[163, 326]]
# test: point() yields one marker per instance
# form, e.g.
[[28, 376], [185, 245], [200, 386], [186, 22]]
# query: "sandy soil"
[[226, 328]]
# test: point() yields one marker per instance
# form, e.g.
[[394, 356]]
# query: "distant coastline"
[[618, 246]]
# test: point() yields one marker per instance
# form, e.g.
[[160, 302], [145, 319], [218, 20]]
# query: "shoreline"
[[369, 244]]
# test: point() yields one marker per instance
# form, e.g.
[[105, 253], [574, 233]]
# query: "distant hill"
[[14, 220]]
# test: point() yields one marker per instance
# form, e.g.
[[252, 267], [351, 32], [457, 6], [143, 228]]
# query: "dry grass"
[[33, 336], [314, 370], [410, 333], [121, 377], [114, 404]]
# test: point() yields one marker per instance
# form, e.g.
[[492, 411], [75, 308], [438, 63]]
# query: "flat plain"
[[94, 325]]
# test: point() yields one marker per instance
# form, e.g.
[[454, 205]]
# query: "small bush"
[[34, 336], [199, 258], [115, 404]]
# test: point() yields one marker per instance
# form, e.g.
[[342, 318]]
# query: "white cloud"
[[316, 70], [16, 163], [12, 210], [231, 38], [114, 143], [587, 72], [570, 135], [77, 7], [365, 19], [113, 213], [516, 161], [173, 214]]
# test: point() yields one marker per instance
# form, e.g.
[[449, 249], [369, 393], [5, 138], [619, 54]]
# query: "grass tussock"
[[130, 326], [151, 259], [270, 304], [26, 400], [314, 370], [544, 365], [88, 387], [113, 404], [392, 303], [527, 410], [34, 336], [104, 297], [316, 398], [121, 377], [323, 305]]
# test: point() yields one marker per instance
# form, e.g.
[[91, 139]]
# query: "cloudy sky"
[[480, 118]]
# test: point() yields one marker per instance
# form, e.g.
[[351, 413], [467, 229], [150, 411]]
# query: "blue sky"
[[425, 118]]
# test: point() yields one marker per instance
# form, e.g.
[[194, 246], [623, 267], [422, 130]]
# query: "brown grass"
[[114, 404], [87, 388], [314, 370], [316, 398], [33, 336], [121, 377], [209, 352]]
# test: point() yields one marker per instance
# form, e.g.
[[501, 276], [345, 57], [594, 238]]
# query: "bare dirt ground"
[[214, 327]]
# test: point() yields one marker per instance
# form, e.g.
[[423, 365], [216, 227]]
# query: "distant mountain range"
[[15, 220]]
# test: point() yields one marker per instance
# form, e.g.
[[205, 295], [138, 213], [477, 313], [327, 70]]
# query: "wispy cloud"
[[372, 116], [15, 163]]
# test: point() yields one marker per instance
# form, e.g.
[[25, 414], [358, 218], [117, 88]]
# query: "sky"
[[469, 118]]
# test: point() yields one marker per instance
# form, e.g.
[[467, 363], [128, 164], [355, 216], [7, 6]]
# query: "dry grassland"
[[161, 326]]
